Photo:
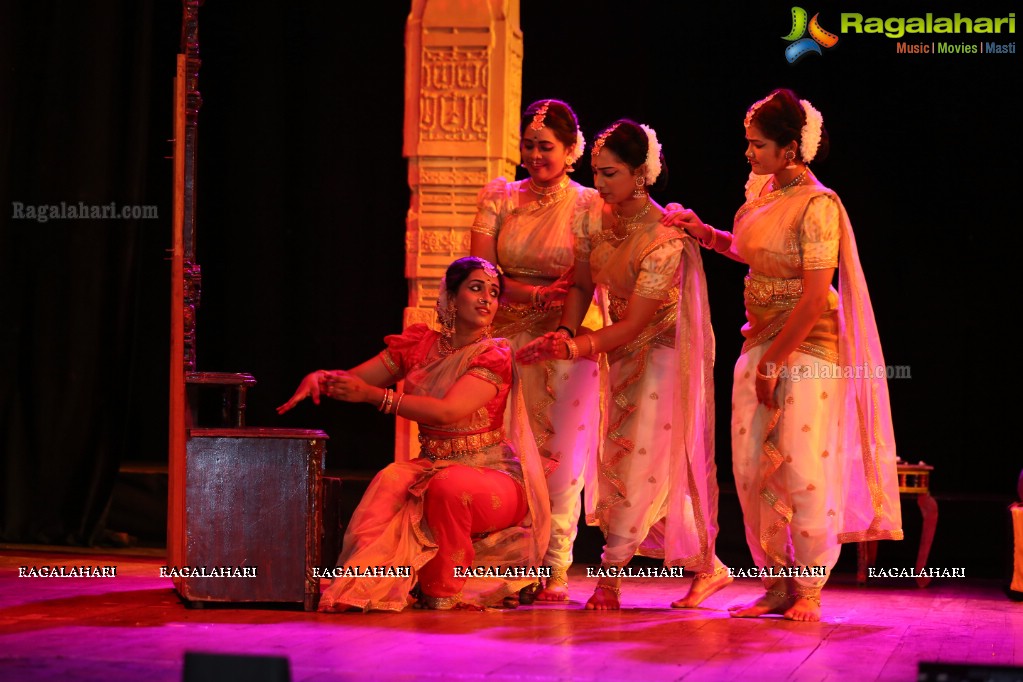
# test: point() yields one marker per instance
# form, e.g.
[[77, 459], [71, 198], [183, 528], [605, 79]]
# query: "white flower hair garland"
[[653, 155], [580, 145], [810, 135]]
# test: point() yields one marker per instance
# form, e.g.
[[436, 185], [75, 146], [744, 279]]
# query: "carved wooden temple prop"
[[463, 93]]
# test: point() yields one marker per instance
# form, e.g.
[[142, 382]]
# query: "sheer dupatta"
[[691, 543], [872, 510]]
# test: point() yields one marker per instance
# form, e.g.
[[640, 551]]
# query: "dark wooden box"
[[252, 501]]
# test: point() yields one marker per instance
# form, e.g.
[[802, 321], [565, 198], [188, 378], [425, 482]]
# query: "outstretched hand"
[[337, 384], [342, 385], [309, 388], [550, 346]]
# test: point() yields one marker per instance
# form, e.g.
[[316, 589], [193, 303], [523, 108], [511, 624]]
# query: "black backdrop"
[[302, 195]]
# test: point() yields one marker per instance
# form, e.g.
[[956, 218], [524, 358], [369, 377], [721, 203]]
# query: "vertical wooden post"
[[176, 426], [463, 92], [185, 275]]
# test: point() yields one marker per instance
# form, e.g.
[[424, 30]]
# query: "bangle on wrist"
[[397, 404], [725, 244], [573, 349], [383, 401], [711, 240], [565, 329], [765, 377]]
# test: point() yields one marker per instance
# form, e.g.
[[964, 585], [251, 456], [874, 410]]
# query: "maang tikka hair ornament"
[[598, 144], [753, 110], [539, 116]]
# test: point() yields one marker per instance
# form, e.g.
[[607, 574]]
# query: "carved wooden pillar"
[[193, 100], [185, 271], [463, 92]]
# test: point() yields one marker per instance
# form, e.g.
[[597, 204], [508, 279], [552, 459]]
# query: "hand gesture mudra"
[[341, 385], [556, 291], [337, 384], [550, 346]]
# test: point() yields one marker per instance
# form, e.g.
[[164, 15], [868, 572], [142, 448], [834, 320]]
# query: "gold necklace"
[[549, 195], [793, 183], [628, 225], [446, 348]]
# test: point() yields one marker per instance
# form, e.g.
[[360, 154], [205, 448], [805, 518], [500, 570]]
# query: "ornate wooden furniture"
[[252, 516], [914, 479], [242, 500]]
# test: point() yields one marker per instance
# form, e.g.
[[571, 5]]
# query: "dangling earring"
[[447, 321], [640, 190], [790, 156]]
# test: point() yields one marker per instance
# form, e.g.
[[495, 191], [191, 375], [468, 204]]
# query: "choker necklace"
[[445, 347], [629, 224], [793, 183], [549, 195]]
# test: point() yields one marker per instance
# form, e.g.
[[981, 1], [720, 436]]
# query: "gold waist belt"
[[617, 305], [762, 290], [459, 446]]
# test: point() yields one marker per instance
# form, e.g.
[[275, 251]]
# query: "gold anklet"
[[610, 588], [442, 603], [713, 574], [809, 597], [559, 576]]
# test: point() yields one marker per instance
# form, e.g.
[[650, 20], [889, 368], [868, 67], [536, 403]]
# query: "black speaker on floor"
[[203, 667], [967, 672]]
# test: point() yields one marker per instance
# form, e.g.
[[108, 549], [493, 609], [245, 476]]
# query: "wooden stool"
[[914, 479]]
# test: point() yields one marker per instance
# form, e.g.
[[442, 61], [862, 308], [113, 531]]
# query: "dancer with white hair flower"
[[657, 487], [813, 451], [526, 228]]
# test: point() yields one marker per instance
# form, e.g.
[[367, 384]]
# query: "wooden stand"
[[914, 479], [252, 501]]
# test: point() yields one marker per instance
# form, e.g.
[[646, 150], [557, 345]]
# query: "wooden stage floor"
[[134, 627]]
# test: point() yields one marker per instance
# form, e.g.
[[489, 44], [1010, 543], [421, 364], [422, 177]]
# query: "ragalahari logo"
[[801, 45]]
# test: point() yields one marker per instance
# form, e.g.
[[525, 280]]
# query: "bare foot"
[[446, 604], [773, 601], [703, 585], [806, 609], [605, 598], [553, 592], [555, 588]]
